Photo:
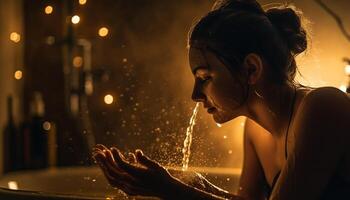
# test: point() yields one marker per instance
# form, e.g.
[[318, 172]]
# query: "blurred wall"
[[10, 61], [322, 64]]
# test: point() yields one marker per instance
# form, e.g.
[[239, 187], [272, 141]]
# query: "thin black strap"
[[290, 119], [275, 180]]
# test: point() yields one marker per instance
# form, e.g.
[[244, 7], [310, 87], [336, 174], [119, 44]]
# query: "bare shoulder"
[[329, 96], [324, 111], [326, 101]]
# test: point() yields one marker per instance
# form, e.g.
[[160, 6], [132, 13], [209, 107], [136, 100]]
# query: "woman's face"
[[220, 93]]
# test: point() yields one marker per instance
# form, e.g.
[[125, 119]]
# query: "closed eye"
[[204, 79]]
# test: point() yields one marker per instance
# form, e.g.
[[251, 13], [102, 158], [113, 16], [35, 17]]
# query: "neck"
[[271, 108]]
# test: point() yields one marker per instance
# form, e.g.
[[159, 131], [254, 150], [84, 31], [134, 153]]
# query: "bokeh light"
[[15, 37], [18, 74], [48, 10], [75, 19], [77, 61], [82, 2], [46, 126], [103, 32], [108, 99]]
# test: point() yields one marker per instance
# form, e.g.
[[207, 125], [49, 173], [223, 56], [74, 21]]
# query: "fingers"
[[144, 160], [106, 158], [119, 172], [132, 158], [101, 147], [122, 163], [114, 176]]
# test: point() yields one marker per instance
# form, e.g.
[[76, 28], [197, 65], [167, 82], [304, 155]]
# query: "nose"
[[197, 94]]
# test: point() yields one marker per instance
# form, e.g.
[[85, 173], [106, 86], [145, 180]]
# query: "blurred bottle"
[[11, 141], [34, 131]]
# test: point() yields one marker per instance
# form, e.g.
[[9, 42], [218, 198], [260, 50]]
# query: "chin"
[[222, 119]]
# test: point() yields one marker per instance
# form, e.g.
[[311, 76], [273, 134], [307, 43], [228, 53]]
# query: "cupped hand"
[[135, 175]]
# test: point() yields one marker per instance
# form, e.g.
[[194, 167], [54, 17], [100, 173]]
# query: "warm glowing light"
[[343, 88], [125, 60], [219, 125], [46, 126], [103, 32], [50, 40], [82, 2], [225, 136], [347, 69], [15, 37], [48, 10], [230, 151], [108, 99], [75, 19], [18, 75], [77, 61], [12, 185]]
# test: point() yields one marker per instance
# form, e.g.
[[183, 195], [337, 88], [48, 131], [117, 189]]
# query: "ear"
[[253, 66]]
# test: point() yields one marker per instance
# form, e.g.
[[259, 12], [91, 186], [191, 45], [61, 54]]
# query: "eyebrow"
[[199, 67]]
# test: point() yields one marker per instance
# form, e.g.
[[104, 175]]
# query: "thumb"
[[146, 161]]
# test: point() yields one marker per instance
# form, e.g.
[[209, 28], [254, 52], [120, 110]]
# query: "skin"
[[318, 136]]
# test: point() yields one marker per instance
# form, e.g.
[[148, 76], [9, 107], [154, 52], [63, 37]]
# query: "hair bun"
[[288, 23], [238, 5]]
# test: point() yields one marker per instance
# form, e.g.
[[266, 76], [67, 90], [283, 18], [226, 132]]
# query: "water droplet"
[[157, 130]]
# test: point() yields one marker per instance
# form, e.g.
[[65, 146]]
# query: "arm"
[[201, 183], [321, 131], [252, 177], [183, 191]]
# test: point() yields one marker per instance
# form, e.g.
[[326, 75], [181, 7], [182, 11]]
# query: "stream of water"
[[188, 140]]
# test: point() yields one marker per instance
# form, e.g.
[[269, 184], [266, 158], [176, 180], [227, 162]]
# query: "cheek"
[[226, 95]]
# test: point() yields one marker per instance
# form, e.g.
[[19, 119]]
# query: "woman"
[[296, 138]]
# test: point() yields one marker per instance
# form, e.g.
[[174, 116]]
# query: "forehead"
[[196, 58]]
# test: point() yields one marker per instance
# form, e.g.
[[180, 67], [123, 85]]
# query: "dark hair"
[[235, 28]]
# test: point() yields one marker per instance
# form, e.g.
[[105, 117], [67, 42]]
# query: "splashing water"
[[188, 140]]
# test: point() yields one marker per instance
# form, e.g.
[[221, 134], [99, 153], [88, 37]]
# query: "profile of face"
[[215, 86]]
